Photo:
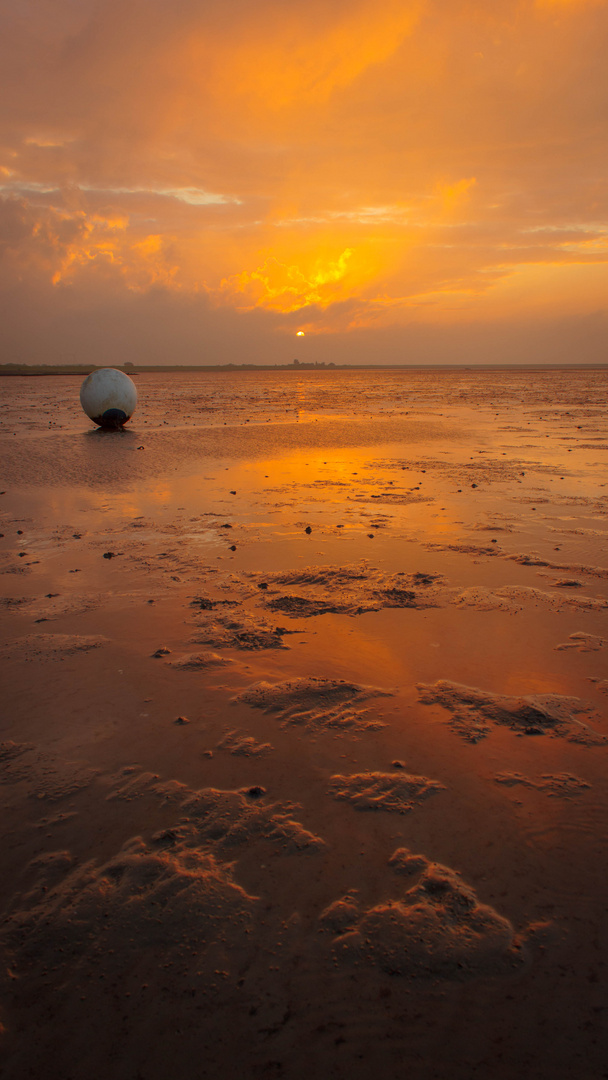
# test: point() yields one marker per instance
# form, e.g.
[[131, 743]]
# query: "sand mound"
[[554, 784], [463, 548], [206, 603], [51, 646], [45, 778], [394, 596], [351, 590], [198, 661], [600, 534], [243, 745], [341, 915], [521, 558], [384, 791], [246, 632], [403, 862], [438, 927], [316, 703], [327, 576], [473, 712], [583, 642], [514, 597], [10, 750], [130, 784], [118, 918], [575, 568], [230, 818], [305, 607], [215, 817], [482, 599]]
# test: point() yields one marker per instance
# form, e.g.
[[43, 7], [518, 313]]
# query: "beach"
[[305, 727]]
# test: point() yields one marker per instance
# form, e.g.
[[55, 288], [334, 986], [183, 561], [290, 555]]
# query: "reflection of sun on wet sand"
[[239, 830]]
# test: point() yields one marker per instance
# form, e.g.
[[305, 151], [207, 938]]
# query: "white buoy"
[[108, 397]]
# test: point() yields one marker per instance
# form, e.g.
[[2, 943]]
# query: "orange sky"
[[405, 180]]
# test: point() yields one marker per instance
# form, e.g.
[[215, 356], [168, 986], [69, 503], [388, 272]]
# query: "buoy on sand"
[[108, 397]]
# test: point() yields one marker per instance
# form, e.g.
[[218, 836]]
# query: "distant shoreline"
[[147, 369]]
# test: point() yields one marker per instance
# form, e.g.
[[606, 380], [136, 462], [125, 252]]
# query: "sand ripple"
[[564, 784], [583, 642], [384, 791], [474, 711], [246, 632], [316, 703]]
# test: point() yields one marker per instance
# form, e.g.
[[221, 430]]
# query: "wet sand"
[[305, 728]]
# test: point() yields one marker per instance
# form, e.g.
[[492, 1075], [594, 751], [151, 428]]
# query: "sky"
[[356, 181]]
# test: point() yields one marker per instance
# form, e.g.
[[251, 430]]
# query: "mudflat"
[[305, 728]]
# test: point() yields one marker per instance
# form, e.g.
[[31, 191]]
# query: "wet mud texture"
[[303, 740]]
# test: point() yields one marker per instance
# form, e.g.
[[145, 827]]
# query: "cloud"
[[284, 287], [454, 194], [304, 57], [191, 195], [357, 165]]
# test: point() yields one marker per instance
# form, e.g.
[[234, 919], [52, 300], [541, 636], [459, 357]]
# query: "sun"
[[299, 333]]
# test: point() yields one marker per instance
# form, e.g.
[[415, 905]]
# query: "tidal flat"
[[303, 760]]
